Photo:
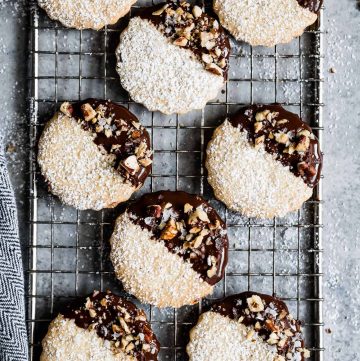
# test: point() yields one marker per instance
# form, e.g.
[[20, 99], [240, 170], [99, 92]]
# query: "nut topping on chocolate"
[[118, 134], [191, 28], [66, 108], [270, 319], [255, 304], [188, 226], [119, 322], [283, 134]]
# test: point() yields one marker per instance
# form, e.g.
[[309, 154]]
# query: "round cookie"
[[173, 57], [94, 154], [263, 161], [247, 327], [169, 249], [268, 22], [86, 14], [104, 327]]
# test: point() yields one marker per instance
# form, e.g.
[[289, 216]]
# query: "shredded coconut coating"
[[65, 341], [86, 14], [264, 22], [218, 338], [75, 169], [250, 180], [160, 75], [149, 271]]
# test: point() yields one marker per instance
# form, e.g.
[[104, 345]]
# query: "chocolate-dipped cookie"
[[263, 161], [94, 154], [103, 327], [269, 22], [169, 249], [173, 57], [247, 326], [86, 14]]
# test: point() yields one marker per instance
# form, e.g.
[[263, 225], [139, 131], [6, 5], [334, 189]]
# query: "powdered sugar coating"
[[160, 75], [264, 22], [66, 341], [77, 172], [248, 179], [218, 338], [149, 271], [86, 14]]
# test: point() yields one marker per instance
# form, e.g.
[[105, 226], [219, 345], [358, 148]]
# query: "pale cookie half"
[[104, 327], [94, 154], [86, 14], [247, 327], [266, 22], [263, 161], [173, 58], [169, 249]]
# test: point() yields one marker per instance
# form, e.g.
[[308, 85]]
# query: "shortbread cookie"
[[247, 327], [86, 14], [104, 327], [263, 161], [94, 154], [267, 22], [169, 248], [173, 58]]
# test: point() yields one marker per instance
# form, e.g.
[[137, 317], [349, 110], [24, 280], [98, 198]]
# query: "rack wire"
[[68, 251]]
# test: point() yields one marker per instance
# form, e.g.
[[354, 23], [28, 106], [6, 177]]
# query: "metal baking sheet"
[[68, 249]]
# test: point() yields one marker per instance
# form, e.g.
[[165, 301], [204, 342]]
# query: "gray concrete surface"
[[342, 157], [342, 182]]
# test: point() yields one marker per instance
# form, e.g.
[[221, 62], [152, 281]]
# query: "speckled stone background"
[[342, 157]]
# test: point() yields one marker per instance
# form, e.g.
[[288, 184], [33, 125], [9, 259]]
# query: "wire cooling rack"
[[68, 250]]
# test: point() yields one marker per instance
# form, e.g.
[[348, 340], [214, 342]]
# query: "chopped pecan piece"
[[130, 164], [255, 303], [181, 41], [197, 11], [303, 144], [188, 207], [88, 112], [170, 231], [66, 108], [259, 141], [145, 162], [281, 138]]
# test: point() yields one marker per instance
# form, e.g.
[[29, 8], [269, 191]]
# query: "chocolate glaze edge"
[[126, 148], [106, 321], [234, 307], [147, 13], [227, 306], [244, 118], [219, 247]]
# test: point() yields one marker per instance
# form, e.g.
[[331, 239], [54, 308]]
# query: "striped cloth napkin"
[[13, 337]]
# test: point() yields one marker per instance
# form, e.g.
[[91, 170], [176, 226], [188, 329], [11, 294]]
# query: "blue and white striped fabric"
[[13, 337]]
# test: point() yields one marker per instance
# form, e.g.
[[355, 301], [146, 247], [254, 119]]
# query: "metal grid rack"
[[68, 252]]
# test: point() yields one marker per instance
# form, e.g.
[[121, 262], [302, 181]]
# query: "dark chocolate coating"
[[274, 318], [214, 244], [312, 5], [312, 157], [126, 141], [170, 29], [106, 321]]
